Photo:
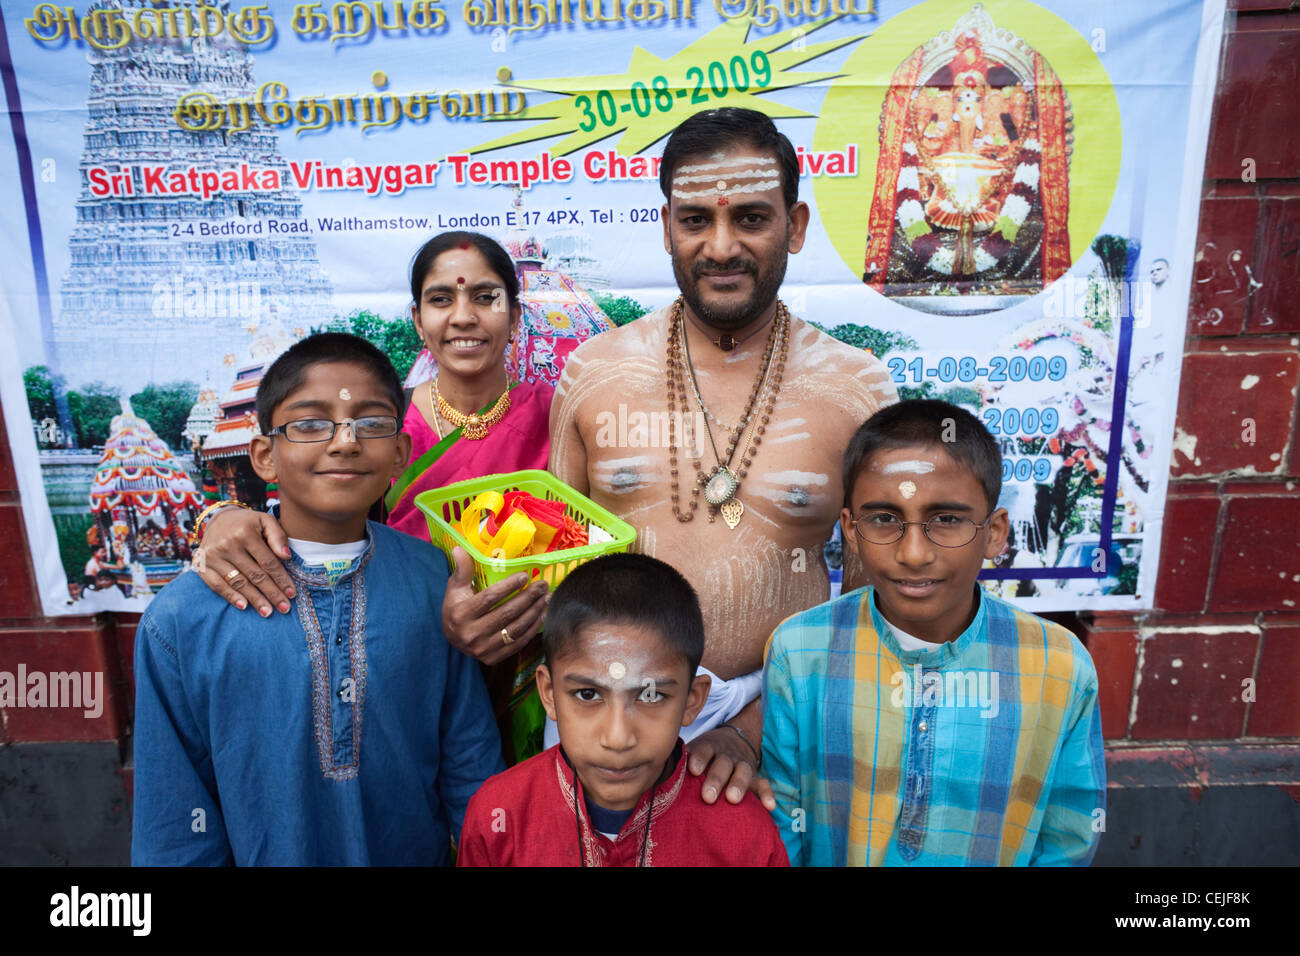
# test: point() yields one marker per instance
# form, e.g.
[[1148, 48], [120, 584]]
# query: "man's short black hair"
[[714, 130], [927, 422], [288, 371], [626, 589]]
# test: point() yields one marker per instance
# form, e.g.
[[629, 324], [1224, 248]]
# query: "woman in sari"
[[466, 422], [469, 420]]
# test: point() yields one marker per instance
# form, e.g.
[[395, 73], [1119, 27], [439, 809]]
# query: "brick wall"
[[65, 779], [1202, 695], [1228, 593], [99, 643]]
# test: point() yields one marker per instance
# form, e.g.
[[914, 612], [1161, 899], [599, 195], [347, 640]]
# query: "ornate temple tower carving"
[[148, 296]]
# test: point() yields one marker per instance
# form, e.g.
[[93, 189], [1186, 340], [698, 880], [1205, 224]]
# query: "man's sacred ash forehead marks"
[[907, 488], [724, 179], [344, 395]]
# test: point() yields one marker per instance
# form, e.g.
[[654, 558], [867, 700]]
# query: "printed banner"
[[1004, 202]]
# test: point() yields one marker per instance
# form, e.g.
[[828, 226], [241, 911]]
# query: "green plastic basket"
[[444, 506]]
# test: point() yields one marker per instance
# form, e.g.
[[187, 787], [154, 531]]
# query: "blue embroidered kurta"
[[986, 750], [345, 732]]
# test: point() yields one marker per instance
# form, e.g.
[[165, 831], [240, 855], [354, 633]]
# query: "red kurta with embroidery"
[[526, 817]]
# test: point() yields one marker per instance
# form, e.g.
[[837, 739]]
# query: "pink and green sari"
[[520, 440]]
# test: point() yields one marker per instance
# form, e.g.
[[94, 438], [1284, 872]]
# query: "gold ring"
[[505, 636], [232, 574]]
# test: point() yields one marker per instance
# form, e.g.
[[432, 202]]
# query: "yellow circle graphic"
[[947, 174], [558, 319]]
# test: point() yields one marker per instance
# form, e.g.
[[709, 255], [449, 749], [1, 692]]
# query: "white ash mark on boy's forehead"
[[345, 394], [629, 664], [913, 466], [907, 488]]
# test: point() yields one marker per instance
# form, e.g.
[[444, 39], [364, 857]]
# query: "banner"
[[1004, 198]]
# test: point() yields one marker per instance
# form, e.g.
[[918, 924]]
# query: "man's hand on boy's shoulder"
[[730, 762]]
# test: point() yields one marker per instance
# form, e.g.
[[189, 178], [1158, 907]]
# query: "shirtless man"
[[731, 219]]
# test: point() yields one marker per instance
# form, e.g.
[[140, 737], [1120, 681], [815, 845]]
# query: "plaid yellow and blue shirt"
[[986, 750]]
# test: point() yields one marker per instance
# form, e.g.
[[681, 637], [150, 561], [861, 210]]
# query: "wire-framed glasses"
[[945, 530], [322, 429]]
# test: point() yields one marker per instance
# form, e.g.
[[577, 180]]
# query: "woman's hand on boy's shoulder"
[[241, 560]]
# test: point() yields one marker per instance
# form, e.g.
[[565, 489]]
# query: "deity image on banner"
[[972, 198]]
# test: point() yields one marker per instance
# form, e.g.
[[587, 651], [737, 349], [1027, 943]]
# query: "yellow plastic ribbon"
[[514, 538], [543, 538], [518, 535], [471, 518]]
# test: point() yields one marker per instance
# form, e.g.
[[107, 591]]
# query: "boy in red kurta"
[[624, 636]]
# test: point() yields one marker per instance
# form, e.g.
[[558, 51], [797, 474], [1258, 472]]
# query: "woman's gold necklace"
[[472, 427]]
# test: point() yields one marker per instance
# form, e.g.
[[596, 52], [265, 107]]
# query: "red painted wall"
[[100, 643], [1228, 594]]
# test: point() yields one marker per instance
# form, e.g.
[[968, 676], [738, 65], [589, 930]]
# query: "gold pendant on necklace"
[[731, 510], [474, 428], [721, 486]]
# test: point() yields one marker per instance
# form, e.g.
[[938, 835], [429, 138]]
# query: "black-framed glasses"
[[322, 429], [945, 530]]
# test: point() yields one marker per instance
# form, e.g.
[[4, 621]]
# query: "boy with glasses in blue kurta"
[[347, 732], [921, 721]]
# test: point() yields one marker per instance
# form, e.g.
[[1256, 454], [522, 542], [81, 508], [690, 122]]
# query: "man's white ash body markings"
[[792, 493]]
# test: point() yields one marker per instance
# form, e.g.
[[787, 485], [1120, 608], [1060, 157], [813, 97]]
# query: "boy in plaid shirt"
[[922, 721]]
